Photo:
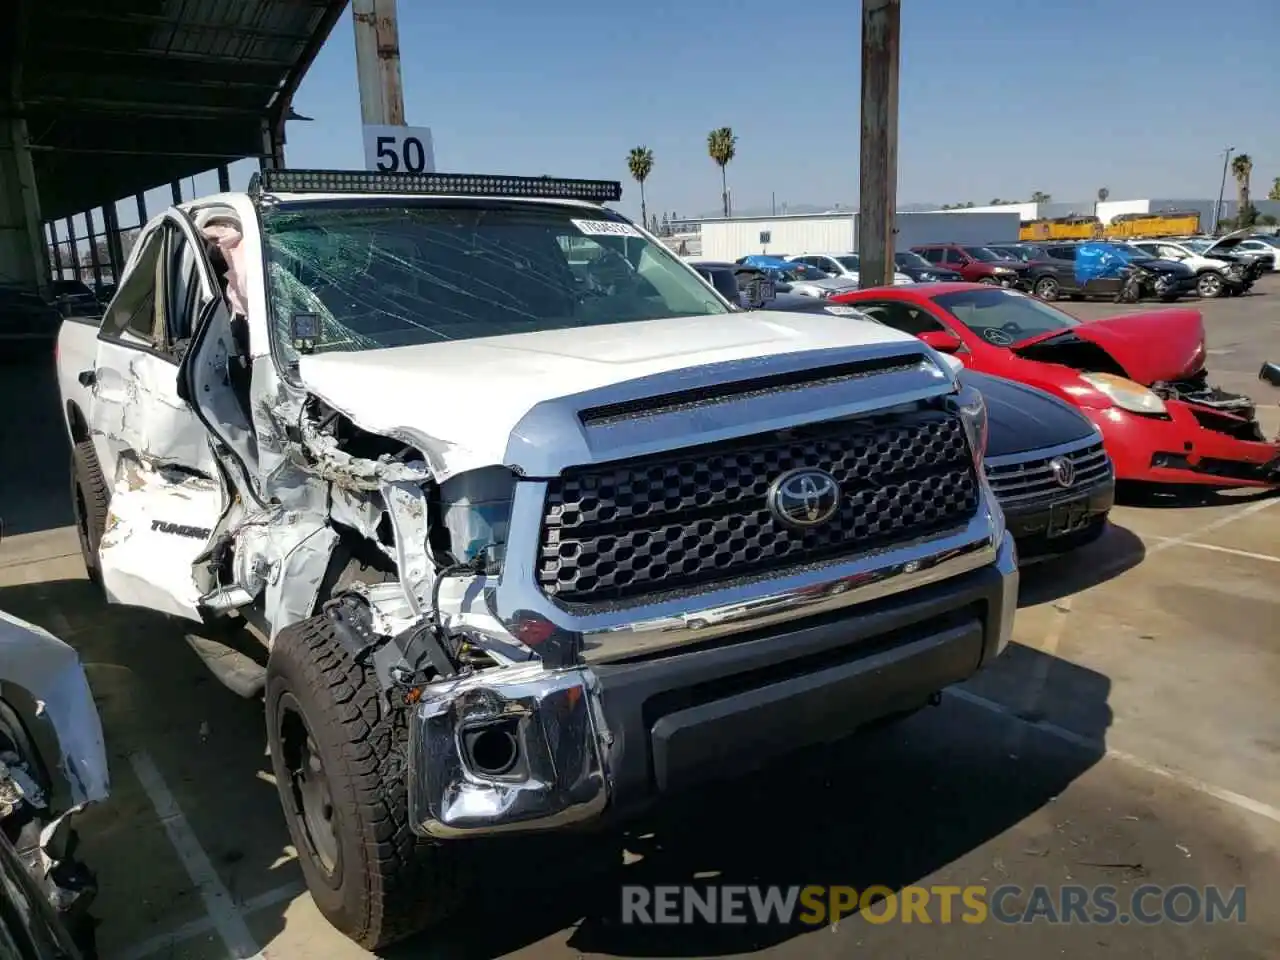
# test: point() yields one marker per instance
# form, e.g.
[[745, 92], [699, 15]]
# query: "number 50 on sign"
[[391, 149]]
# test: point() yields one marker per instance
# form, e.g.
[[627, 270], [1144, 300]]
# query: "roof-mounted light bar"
[[439, 184]]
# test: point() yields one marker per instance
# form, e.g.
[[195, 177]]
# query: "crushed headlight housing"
[[475, 509], [1236, 270], [1126, 394]]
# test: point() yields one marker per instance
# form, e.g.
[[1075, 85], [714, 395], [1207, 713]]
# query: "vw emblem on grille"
[[1063, 470], [804, 497]]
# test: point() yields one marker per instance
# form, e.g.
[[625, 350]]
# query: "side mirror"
[[941, 340], [1270, 372]]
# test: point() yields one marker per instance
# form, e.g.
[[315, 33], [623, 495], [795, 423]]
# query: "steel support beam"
[[55, 249], [73, 246], [878, 157], [95, 262], [115, 250]]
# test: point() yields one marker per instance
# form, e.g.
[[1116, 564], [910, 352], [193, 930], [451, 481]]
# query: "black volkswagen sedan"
[[1047, 467]]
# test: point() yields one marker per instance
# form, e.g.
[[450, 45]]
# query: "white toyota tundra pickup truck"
[[533, 527]]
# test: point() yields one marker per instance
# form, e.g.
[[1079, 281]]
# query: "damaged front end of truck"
[[494, 523]]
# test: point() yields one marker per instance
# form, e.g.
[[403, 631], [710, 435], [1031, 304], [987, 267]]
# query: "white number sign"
[[390, 149]]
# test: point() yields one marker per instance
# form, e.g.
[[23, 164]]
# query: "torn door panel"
[[140, 411], [159, 522], [50, 672]]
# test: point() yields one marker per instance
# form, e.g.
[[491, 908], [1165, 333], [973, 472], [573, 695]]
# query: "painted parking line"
[[225, 915], [167, 942], [1231, 551], [1237, 800], [1038, 681], [1164, 543], [1256, 507]]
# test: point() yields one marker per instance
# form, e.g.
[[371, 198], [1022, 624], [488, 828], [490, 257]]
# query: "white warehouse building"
[[1106, 210], [729, 239]]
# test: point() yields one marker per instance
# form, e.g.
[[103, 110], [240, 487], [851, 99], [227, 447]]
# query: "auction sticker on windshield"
[[605, 228]]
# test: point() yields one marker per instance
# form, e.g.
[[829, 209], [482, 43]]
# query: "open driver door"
[[170, 470]]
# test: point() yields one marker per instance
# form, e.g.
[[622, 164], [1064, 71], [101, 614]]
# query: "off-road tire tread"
[[97, 496], [410, 883]]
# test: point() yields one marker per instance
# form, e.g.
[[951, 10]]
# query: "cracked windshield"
[[390, 277]]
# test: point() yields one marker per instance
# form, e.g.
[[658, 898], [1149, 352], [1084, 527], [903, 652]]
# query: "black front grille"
[[699, 516]]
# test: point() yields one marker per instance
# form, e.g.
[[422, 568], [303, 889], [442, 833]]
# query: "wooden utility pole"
[[378, 62], [878, 159]]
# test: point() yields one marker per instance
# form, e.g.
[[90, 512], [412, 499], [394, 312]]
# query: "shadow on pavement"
[[1176, 496], [156, 696], [1116, 551], [35, 484], [889, 808]]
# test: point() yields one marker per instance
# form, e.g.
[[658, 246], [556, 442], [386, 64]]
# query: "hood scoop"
[[690, 399]]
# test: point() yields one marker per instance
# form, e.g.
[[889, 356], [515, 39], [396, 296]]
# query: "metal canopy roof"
[[124, 95]]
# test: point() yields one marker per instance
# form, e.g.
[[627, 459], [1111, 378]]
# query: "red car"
[[1139, 377]]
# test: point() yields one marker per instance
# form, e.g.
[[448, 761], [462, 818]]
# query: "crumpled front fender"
[[50, 672]]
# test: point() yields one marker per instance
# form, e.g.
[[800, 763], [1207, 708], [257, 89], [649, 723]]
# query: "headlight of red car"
[[1125, 394]]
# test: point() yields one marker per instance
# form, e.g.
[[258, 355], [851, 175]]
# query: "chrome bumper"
[[551, 718], [554, 723]]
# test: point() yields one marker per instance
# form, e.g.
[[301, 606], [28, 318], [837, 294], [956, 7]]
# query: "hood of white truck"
[[467, 396]]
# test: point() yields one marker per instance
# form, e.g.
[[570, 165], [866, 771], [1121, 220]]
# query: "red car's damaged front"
[[1160, 417], [1140, 377]]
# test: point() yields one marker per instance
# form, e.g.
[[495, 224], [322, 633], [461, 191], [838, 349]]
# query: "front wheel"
[[1210, 285], [1047, 288], [90, 500], [339, 755]]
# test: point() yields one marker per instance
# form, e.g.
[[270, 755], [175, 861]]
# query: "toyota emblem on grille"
[[1063, 470], [804, 497]]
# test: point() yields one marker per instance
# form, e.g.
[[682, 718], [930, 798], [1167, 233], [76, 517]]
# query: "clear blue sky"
[[998, 98]]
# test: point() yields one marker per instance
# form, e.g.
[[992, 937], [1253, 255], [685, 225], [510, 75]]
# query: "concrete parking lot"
[[1129, 737]]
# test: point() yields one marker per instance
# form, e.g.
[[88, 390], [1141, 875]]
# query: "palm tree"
[[722, 145], [1040, 197], [640, 163], [1241, 169], [1275, 190]]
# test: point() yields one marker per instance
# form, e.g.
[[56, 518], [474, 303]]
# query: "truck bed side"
[[77, 351]]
